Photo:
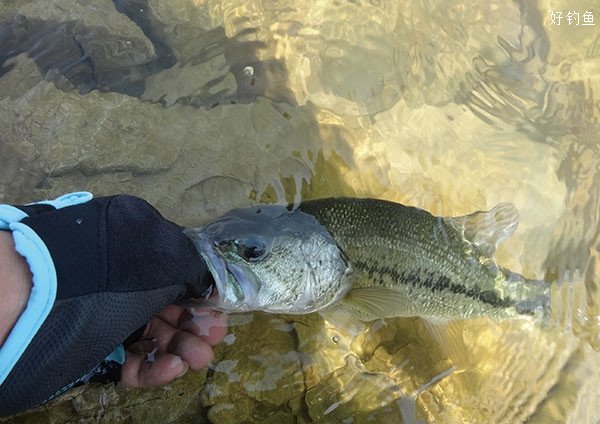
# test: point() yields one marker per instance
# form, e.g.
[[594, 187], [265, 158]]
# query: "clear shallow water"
[[202, 106]]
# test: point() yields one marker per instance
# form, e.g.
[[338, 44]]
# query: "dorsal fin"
[[487, 229]]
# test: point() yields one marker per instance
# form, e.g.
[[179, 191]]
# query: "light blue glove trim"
[[43, 293], [69, 199], [117, 355], [10, 214]]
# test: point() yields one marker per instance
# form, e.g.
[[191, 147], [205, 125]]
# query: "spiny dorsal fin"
[[487, 229]]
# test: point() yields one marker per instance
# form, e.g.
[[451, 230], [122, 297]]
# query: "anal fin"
[[449, 337]]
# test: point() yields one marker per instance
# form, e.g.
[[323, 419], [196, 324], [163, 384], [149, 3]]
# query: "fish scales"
[[407, 248], [375, 258]]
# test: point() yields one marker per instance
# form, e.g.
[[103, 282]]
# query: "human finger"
[[195, 351], [158, 335], [211, 327], [167, 339], [139, 371], [173, 315]]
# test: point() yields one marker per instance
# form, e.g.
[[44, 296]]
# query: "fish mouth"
[[236, 286]]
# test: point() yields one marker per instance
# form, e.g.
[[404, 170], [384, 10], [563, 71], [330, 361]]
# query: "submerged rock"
[[181, 159], [177, 402], [259, 376], [82, 45]]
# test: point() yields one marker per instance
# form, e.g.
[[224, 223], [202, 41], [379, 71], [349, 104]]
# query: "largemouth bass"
[[373, 258]]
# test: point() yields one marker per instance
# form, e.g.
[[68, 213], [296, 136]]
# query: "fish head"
[[272, 259]]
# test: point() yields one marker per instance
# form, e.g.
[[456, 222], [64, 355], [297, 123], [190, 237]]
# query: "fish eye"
[[251, 249]]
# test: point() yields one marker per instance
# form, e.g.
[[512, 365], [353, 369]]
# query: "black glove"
[[102, 268]]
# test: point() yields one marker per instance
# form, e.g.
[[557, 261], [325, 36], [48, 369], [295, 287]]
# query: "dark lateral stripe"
[[436, 283]]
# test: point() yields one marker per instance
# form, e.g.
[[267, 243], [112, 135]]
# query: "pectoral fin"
[[487, 229], [370, 303]]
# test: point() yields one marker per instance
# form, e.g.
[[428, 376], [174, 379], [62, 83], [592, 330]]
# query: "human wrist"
[[15, 284]]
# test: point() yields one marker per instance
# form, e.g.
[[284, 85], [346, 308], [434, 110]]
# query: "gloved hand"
[[102, 268]]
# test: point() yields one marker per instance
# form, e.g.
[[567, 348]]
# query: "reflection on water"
[[202, 106]]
